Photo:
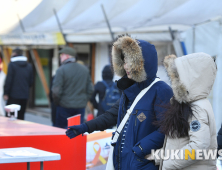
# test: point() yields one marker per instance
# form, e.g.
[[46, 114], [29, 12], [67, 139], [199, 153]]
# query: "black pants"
[[22, 103], [53, 113]]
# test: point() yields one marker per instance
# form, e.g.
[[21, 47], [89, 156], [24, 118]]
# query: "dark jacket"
[[100, 89], [72, 86], [219, 139], [19, 78], [104, 121], [53, 106], [141, 134]]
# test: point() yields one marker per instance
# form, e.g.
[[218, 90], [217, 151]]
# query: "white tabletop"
[[39, 155]]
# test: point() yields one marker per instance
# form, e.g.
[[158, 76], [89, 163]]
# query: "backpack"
[[112, 94]]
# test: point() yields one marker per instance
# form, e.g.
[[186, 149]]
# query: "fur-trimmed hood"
[[139, 54], [192, 76]]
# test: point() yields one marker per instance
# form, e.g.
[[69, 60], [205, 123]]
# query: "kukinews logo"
[[186, 154]]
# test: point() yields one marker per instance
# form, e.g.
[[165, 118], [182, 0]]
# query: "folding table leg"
[[41, 165], [28, 165]]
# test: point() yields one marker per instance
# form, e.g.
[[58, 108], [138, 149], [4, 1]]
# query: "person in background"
[[71, 89], [2, 81], [18, 81], [135, 61], [105, 89]]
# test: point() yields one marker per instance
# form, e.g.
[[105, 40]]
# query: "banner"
[[97, 149], [32, 39]]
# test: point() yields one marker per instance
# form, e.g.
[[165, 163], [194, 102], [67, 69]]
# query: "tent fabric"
[[206, 38], [122, 14], [70, 10], [10, 10], [190, 13], [86, 18], [41, 13]]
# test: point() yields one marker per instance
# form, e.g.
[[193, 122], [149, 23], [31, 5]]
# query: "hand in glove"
[[150, 157], [74, 131]]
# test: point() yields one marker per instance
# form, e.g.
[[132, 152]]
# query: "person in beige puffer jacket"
[[189, 122]]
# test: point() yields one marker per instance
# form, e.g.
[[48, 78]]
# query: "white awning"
[[83, 20]]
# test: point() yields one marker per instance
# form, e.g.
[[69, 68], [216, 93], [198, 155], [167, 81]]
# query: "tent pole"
[[193, 38], [176, 44], [108, 24], [21, 24], [60, 27], [171, 33]]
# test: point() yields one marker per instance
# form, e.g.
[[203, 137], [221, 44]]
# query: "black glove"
[[74, 131]]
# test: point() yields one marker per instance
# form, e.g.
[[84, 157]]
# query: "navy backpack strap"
[[104, 82]]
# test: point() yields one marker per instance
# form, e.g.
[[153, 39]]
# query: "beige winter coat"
[[192, 78]]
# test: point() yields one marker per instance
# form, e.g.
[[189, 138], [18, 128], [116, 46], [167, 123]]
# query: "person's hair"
[[18, 52], [174, 122]]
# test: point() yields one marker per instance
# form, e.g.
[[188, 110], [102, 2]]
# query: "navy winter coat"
[[19, 78], [141, 134]]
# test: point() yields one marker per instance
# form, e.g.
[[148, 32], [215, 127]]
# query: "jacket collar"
[[18, 58], [70, 60], [132, 91]]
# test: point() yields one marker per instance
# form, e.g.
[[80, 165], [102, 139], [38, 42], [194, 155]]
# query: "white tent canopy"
[[83, 20]]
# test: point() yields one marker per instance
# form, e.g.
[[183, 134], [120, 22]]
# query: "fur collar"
[[179, 90], [132, 52]]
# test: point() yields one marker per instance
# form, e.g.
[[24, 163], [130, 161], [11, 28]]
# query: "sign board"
[[97, 149], [32, 39]]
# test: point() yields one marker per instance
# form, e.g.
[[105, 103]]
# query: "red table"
[[20, 133]]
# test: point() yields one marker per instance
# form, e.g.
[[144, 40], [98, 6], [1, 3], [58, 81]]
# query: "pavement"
[[39, 115]]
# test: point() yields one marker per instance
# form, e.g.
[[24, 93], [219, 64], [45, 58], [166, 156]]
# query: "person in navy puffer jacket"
[[136, 62]]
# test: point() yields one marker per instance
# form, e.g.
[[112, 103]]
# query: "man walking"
[[72, 88], [18, 81]]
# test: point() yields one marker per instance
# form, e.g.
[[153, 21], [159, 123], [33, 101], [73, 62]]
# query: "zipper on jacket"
[[124, 99], [136, 117], [120, 139]]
